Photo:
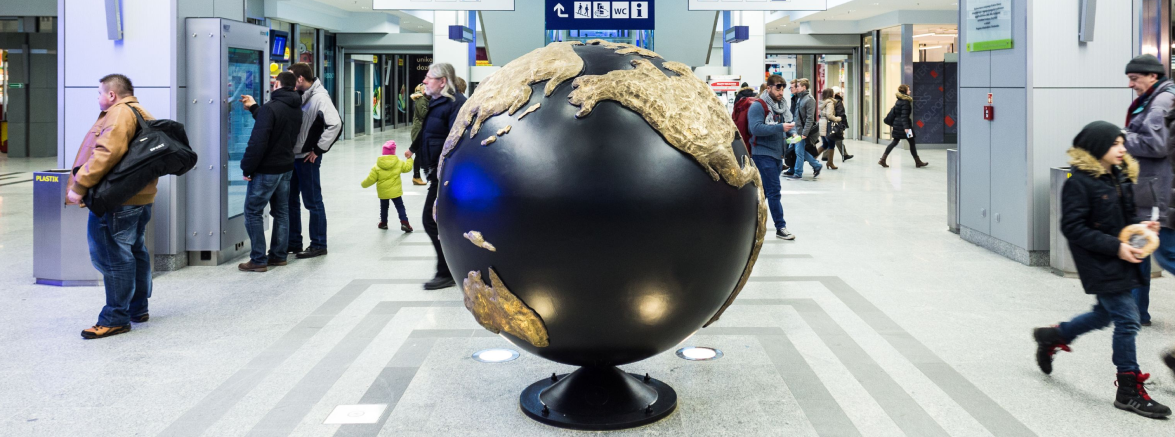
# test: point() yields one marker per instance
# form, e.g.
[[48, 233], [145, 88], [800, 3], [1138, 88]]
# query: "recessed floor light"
[[495, 355], [693, 353], [351, 414]]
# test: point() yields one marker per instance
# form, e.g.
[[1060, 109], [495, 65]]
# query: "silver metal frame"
[[214, 238]]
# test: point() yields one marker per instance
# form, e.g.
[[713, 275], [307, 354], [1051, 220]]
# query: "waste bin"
[[953, 190], [61, 255], [1060, 259]]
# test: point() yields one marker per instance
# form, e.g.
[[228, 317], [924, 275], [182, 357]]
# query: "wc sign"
[[599, 15]]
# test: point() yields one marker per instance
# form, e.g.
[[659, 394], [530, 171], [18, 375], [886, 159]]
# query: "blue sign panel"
[[590, 15]]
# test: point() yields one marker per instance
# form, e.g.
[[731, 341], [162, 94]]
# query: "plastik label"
[[47, 178]]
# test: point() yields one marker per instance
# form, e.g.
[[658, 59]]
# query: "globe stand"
[[598, 398]]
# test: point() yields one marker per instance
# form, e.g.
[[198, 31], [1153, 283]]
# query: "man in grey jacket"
[[806, 127], [321, 126]]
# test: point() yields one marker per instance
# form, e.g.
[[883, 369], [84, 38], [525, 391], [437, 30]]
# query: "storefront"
[[923, 57]]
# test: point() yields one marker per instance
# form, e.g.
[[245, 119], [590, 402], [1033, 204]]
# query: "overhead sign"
[[443, 5], [758, 5], [599, 15], [989, 25]]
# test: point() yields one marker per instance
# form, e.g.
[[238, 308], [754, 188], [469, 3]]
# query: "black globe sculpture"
[[601, 208]]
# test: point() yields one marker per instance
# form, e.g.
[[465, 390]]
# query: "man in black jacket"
[[268, 165]]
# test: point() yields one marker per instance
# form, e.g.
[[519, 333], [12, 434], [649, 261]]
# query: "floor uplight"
[[699, 353], [495, 355]]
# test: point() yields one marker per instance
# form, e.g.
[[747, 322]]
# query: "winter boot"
[[918, 163], [1048, 342], [1132, 396], [404, 226], [844, 155], [830, 157], [882, 161]]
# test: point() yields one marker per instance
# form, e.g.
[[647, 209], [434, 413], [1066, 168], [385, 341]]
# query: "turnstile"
[[61, 254]]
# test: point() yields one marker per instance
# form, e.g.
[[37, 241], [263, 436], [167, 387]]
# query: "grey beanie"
[[1146, 64]]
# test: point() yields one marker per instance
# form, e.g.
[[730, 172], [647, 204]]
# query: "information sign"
[[443, 5], [758, 5], [989, 25], [595, 15]]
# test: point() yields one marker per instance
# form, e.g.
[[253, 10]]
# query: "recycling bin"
[[61, 255]]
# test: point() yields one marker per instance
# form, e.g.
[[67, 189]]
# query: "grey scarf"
[[779, 108]]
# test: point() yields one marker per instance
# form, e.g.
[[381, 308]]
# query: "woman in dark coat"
[[900, 118], [840, 139]]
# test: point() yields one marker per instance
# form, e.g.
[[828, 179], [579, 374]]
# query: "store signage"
[[989, 25], [599, 15], [443, 5], [758, 5]]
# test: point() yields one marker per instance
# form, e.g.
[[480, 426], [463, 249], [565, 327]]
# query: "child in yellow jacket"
[[386, 178]]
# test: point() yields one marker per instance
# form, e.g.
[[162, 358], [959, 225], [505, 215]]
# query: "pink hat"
[[390, 148]]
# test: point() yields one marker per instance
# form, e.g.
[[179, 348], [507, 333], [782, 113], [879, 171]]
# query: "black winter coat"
[[1095, 206], [901, 113], [275, 131], [442, 115]]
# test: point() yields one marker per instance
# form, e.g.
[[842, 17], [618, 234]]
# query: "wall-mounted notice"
[[758, 5], [989, 25], [443, 5]]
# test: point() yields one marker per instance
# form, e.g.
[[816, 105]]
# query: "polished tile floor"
[[876, 321]]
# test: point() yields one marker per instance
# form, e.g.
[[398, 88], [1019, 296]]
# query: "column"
[[446, 50], [747, 58]]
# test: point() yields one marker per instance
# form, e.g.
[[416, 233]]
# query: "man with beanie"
[[1147, 136], [1097, 202]]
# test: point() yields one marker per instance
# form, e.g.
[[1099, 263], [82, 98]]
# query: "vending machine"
[[226, 59]]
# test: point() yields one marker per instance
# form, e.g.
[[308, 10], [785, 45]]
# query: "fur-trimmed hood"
[[1082, 160], [905, 97]]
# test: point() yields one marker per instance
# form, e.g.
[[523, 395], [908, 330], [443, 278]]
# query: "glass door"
[[360, 97]]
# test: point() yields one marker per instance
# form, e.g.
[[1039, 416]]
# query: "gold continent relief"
[[684, 110], [681, 108], [497, 309]]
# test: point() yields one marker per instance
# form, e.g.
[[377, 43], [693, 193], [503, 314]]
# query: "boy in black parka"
[[1097, 203]]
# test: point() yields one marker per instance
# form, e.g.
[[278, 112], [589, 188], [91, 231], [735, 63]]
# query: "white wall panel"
[[1059, 60], [143, 53], [1057, 116], [747, 57]]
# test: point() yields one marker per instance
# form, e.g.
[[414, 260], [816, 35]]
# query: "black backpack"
[[158, 148]]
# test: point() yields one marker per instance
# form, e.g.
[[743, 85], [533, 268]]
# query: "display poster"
[[989, 25]]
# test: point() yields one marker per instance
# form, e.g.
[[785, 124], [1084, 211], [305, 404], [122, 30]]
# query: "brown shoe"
[[141, 319], [250, 267], [418, 181], [274, 262], [99, 331]]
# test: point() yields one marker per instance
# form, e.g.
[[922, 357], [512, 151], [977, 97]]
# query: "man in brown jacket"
[[118, 240]]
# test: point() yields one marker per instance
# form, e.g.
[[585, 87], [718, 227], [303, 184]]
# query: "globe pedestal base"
[[598, 398]]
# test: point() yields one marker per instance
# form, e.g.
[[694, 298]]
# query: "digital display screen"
[[244, 78], [278, 42]]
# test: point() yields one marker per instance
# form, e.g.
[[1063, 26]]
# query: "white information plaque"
[[758, 5], [442, 5]]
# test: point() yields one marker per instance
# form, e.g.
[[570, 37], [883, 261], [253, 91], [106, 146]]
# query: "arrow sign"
[[559, 10]]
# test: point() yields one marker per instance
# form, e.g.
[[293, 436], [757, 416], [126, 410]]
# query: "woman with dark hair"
[[827, 125], [900, 118], [839, 137]]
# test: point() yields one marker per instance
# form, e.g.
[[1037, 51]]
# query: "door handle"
[[358, 98]]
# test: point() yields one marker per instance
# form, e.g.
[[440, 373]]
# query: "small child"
[[1097, 203], [386, 177]]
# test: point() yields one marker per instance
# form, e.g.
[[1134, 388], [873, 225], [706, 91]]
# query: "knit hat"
[[1146, 64], [390, 148], [1097, 138]]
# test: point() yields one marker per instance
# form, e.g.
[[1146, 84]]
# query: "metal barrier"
[[953, 190], [61, 254]]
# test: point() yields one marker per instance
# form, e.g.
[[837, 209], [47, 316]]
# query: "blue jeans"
[[307, 182], [383, 209], [272, 190], [1120, 309], [769, 169], [118, 249], [1165, 257], [802, 156]]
